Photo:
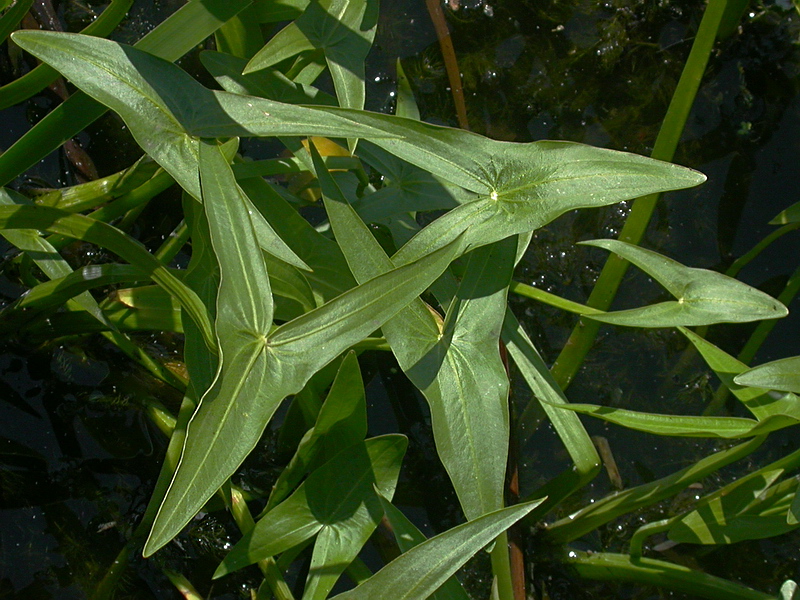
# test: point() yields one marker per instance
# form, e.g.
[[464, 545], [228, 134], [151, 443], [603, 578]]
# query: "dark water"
[[78, 458]]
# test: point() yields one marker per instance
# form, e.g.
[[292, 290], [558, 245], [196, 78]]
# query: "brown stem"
[[450, 62]]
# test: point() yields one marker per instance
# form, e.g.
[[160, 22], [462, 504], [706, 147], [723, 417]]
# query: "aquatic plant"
[[274, 309]]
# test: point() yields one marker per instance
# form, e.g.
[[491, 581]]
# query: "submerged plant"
[[274, 309]]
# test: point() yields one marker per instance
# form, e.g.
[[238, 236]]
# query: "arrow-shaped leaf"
[[523, 186], [458, 370], [264, 370], [703, 297]]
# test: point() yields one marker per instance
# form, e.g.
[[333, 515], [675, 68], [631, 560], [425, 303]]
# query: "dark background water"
[[78, 458]]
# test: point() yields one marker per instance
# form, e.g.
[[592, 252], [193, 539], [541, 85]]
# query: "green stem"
[[501, 567], [269, 569], [580, 341], [745, 259], [106, 588], [644, 532], [173, 244], [183, 585], [533, 293]]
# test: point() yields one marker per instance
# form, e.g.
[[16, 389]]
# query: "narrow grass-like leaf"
[[617, 504], [406, 103], [241, 35], [686, 426], [408, 536], [549, 395], [12, 17], [270, 367], [703, 297], [783, 375], [759, 402], [57, 291], [424, 568], [752, 509], [95, 232], [146, 307], [80, 197], [607, 566], [790, 215], [340, 496], [458, 370]]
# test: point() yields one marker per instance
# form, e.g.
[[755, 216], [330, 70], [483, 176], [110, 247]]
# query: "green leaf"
[[424, 568], [175, 36], [57, 291], [703, 297], [145, 307], [458, 370], [341, 422], [263, 369], [607, 566], [406, 188], [329, 276], [339, 498], [762, 404], [80, 197], [347, 527], [241, 35], [626, 501], [406, 103], [10, 19], [342, 29], [790, 215], [522, 186], [749, 509], [408, 536], [40, 77], [783, 375], [164, 107], [266, 83], [549, 396], [244, 318], [290, 289], [686, 426], [95, 232]]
